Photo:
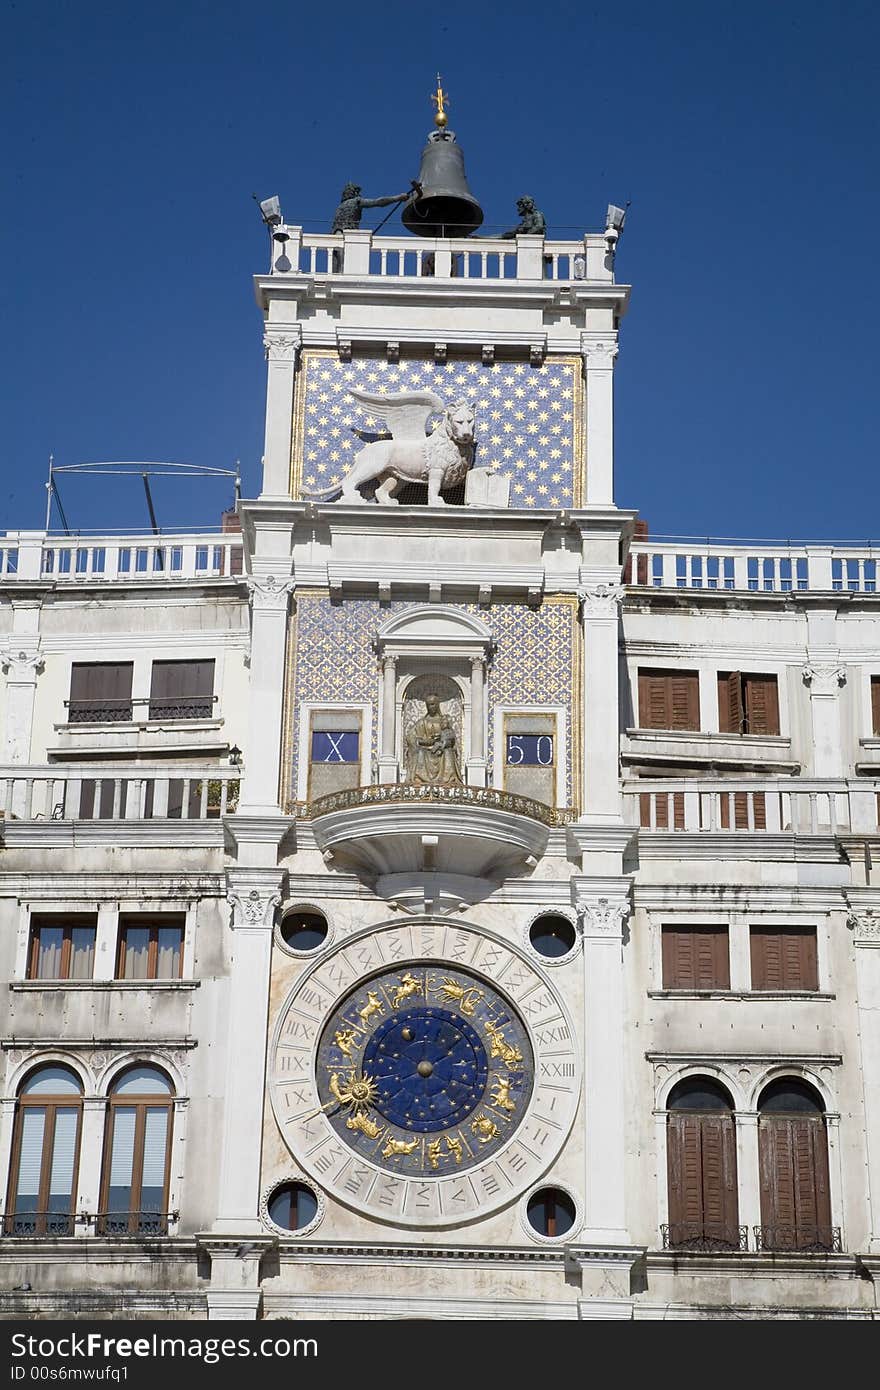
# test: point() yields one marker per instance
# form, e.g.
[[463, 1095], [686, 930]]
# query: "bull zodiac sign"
[[467, 997], [399, 1146], [439, 460], [361, 1121], [409, 986], [510, 1055]]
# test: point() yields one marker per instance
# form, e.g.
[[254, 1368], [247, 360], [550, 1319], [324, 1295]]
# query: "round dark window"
[[293, 1206], [551, 1211], [551, 935], [304, 929]]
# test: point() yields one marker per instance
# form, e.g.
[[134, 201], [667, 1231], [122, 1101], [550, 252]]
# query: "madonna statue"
[[431, 755]]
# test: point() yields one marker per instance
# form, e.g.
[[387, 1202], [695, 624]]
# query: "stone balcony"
[[395, 830]]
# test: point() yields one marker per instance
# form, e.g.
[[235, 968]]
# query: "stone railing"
[[465, 258], [116, 792], [103, 559], [756, 568], [760, 805], [405, 794]]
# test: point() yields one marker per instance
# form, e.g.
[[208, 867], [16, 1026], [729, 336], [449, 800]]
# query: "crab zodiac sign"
[[440, 459]]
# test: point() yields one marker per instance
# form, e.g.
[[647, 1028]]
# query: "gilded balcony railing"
[[406, 794]]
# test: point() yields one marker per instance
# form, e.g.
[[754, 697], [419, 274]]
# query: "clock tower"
[[428, 1054]]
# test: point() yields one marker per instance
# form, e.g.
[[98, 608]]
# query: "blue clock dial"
[[425, 1069]]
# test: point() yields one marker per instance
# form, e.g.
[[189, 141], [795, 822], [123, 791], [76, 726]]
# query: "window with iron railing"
[[182, 690], [100, 692]]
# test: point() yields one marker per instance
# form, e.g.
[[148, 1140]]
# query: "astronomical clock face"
[[424, 1073]]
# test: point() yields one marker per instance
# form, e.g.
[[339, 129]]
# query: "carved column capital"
[[22, 665], [599, 351], [603, 917], [864, 923], [269, 593], [601, 600], [823, 679], [281, 346], [253, 896]]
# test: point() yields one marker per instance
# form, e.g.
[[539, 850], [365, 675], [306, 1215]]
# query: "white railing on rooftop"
[[756, 567], [468, 258], [206, 555], [116, 791], [763, 805]]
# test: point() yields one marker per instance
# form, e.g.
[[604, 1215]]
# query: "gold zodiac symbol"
[[433, 1152], [454, 1147], [359, 1093], [501, 1094], [485, 1129], [373, 1005], [465, 996], [399, 1146], [409, 985], [361, 1121], [344, 1040], [510, 1055]]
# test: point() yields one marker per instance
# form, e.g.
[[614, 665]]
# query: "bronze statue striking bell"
[[445, 206]]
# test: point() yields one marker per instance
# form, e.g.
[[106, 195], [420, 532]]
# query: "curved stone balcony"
[[477, 832]]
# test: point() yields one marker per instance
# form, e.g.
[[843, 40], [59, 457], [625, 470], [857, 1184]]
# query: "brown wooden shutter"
[[695, 958], [730, 709], [175, 679], [106, 680], [784, 959], [669, 699], [741, 810], [685, 701], [762, 705], [701, 1175], [793, 1167], [875, 706]]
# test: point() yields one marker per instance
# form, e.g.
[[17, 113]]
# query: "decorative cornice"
[[601, 600], [282, 347], [824, 679]]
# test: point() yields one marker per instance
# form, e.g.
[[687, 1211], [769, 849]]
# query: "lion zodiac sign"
[[440, 459]]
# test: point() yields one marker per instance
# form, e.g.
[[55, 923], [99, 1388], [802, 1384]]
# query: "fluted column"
[[476, 768], [864, 922], [260, 793], [253, 896], [600, 793], [602, 913], [282, 346], [599, 351], [388, 769]]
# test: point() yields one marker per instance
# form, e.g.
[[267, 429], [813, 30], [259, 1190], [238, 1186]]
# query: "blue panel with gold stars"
[[528, 419], [425, 1070]]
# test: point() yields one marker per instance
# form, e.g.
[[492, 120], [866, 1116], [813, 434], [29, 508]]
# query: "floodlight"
[[615, 217], [270, 210]]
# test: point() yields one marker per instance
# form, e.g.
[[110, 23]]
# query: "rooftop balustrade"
[[760, 805], [755, 567], [361, 253], [35, 555]]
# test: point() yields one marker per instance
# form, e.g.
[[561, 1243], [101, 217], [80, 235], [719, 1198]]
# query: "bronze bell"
[[445, 207]]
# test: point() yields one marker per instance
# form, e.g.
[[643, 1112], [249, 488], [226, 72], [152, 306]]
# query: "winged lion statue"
[[439, 459]]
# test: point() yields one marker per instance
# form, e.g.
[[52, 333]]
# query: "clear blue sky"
[[745, 134]]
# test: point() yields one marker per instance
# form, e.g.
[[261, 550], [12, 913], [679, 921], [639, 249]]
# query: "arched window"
[[137, 1153], [701, 1168], [45, 1154], [793, 1157]]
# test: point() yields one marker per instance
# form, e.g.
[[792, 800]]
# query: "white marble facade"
[[534, 611]]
